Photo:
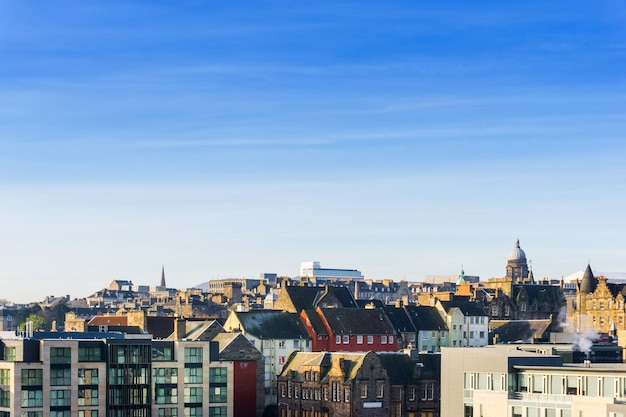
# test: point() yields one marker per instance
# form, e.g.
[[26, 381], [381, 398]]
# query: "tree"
[[39, 323]]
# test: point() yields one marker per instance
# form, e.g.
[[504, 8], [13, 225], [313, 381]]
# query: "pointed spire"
[[461, 279], [163, 276], [589, 282]]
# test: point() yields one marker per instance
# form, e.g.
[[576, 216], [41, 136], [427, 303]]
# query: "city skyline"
[[230, 140]]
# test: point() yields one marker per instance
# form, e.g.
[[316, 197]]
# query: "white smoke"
[[582, 330]]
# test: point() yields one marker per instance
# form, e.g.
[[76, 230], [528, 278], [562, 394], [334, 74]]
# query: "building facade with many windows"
[[337, 384], [504, 381], [77, 374]]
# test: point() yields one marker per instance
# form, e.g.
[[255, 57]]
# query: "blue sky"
[[403, 139]]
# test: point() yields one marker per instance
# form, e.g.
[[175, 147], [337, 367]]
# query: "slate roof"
[[234, 346], [399, 319], [431, 365], [589, 282], [342, 294], [375, 302], [160, 327], [616, 289], [426, 318], [400, 368], [357, 321], [316, 322], [468, 308], [302, 298], [299, 360], [518, 330], [200, 330], [271, 324], [538, 292]]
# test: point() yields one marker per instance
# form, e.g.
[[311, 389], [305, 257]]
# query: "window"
[[32, 377], [32, 398], [193, 395], [338, 339], [411, 394], [380, 389], [217, 375], [9, 353], [363, 389], [336, 393], [346, 340], [192, 411], [87, 396], [165, 375], [359, 340], [296, 344], [217, 411], [88, 413], [217, 394], [471, 334], [5, 377], [282, 390], [162, 353], [346, 395], [281, 360], [60, 376], [59, 413], [60, 355], [60, 397], [5, 397], [193, 376], [383, 340], [281, 344], [482, 335], [430, 391], [89, 353], [193, 355], [165, 394], [32, 414], [391, 340], [168, 412]]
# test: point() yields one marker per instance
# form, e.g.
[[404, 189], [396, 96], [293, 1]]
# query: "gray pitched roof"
[[468, 308], [272, 324], [357, 321], [426, 318]]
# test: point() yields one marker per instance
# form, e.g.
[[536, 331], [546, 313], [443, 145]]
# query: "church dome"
[[517, 254]]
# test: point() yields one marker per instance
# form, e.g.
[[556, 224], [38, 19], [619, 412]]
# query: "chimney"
[[180, 329]]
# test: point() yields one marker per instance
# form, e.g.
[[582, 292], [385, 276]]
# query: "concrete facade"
[[503, 381]]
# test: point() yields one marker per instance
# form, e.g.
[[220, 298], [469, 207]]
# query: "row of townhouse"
[[317, 320], [383, 384], [115, 375]]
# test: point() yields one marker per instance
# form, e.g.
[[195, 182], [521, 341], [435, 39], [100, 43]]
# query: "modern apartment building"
[[112, 375], [503, 380]]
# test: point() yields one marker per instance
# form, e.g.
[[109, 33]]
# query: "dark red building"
[[349, 330]]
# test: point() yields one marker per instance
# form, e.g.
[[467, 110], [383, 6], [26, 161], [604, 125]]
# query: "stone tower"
[[516, 265]]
